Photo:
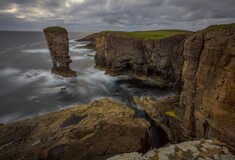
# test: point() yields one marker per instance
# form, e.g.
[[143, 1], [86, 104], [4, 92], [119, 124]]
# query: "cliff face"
[[58, 44], [209, 84], [90, 38], [143, 58]]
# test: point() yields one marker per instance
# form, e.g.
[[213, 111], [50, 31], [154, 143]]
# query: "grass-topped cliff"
[[220, 27], [154, 34], [158, 34], [216, 28]]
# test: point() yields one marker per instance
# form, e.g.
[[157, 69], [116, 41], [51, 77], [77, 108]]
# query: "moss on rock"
[[55, 29]]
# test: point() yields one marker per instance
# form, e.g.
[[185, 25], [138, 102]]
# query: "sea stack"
[[58, 44]]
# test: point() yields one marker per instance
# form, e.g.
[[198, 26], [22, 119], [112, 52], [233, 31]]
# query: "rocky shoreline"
[[199, 66]]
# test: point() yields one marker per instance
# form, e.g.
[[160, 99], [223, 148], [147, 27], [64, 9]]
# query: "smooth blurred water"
[[28, 89]]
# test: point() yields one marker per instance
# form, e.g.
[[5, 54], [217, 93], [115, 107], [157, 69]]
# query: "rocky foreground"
[[102, 129], [189, 150], [91, 131]]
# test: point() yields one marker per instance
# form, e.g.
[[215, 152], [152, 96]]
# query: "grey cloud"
[[115, 14]]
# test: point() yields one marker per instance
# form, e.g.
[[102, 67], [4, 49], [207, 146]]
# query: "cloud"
[[114, 14]]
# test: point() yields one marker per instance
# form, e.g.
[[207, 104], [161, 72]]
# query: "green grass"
[[155, 34], [159, 34], [216, 28], [221, 26]]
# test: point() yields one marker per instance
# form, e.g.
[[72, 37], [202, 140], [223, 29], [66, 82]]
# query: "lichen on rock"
[[198, 149]]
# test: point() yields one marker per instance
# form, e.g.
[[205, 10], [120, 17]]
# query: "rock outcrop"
[[91, 39], [208, 96], [58, 44], [203, 149], [209, 83], [96, 131], [118, 53], [166, 113]]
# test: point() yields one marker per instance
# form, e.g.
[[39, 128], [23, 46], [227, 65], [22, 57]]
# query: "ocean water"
[[28, 89]]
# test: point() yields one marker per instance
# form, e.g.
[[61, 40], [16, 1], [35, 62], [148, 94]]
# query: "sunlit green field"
[[154, 34]]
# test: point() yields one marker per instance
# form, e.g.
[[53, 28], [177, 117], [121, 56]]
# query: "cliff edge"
[[200, 66], [119, 53]]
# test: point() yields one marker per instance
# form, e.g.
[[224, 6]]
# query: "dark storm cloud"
[[206, 8], [115, 14]]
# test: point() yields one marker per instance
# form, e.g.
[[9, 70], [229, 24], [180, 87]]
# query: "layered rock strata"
[[209, 83], [201, 65], [118, 53], [91, 131], [91, 39], [166, 113], [58, 44]]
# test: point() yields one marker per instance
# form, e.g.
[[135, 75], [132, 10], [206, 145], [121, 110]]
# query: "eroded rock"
[[58, 44], [202, 64], [118, 54], [166, 113], [199, 149], [96, 131]]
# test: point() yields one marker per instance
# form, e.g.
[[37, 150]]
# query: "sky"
[[126, 15]]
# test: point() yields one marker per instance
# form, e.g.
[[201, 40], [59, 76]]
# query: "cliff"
[[119, 53], [209, 83], [200, 66], [58, 44]]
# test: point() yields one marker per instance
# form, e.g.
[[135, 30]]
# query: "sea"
[[29, 89]]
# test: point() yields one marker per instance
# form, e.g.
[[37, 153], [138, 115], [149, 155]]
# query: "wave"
[[78, 58], [10, 117], [44, 51], [9, 72]]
